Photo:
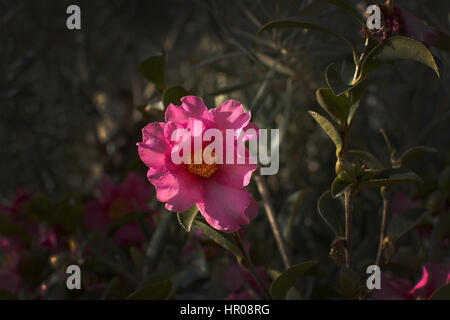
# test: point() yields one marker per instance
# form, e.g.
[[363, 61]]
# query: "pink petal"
[[153, 156], [434, 276], [226, 208], [392, 289], [153, 149], [191, 107], [230, 115], [178, 187], [234, 175], [154, 130], [194, 106]]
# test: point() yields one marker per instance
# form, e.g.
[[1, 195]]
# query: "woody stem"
[[384, 219], [281, 243]]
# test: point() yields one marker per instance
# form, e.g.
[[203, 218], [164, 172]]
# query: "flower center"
[[202, 169]]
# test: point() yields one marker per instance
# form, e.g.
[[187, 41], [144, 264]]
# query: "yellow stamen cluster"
[[202, 169]]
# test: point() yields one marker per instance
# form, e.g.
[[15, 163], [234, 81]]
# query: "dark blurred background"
[[72, 102]]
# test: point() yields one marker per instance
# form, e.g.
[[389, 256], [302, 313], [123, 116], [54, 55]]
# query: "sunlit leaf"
[[187, 217], [355, 94], [336, 106], [367, 158], [398, 47], [328, 128], [335, 81], [288, 278], [339, 186]]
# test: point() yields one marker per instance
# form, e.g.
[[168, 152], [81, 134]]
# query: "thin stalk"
[[348, 229], [281, 243], [384, 220], [251, 268], [156, 244]]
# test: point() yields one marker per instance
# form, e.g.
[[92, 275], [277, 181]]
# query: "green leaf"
[[404, 222], [332, 212], [187, 217], [411, 154], [336, 106], [339, 186], [173, 95], [355, 95], [335, 81], [288, 278], [277, 24], [158, 291], [329, 129], [367, 158], [390, 180], [153, 70], [442, 293], [398, 47], [221, 238]]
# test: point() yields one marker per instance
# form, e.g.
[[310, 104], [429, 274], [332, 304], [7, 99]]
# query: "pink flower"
[[434, 276], [115, 201], [218, 190]]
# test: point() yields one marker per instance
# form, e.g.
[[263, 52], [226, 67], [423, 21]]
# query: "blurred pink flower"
[[21, 197], [218, 190], [9, 259], [415, 28], [114, 202], [401, 202], [434, 276], [241, 283], [399, 21]]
